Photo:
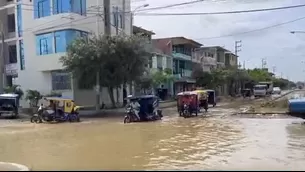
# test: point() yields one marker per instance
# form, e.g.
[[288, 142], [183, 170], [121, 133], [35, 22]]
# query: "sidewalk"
[[119, 112]]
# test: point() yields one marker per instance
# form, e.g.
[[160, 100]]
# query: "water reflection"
[[174, 143]]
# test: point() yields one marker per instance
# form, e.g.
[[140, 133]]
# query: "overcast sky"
[[282, 49]]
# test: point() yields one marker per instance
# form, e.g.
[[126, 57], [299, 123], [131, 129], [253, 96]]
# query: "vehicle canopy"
[[202, 94], [187, 93], [187, 97], [148, 103], [260, 86], [276, 88], [67, 104], [9, 98]]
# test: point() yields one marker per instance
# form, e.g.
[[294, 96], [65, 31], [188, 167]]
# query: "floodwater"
[[210, 143]]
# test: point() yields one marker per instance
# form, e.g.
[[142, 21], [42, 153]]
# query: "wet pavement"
[[209, 142]]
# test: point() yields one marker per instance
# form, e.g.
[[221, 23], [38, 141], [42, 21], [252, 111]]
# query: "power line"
[[223, 12], [146, 9], [172, 5], [256, 30]]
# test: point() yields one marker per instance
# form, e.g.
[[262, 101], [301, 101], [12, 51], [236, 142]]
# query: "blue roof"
[[142, 97], [301, 100], [9, 95]]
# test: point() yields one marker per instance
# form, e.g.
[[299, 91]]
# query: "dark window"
[[11, 23], [61, 81], [9, 0], [12, 54]]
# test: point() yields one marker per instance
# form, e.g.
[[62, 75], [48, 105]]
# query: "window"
[[61, 80], [11, 23], [21, 54], [121, 21], [19, 20], [62, 38], [12, 53], [106, 12], [115, 16], [65, 6], [42, 8], [44, 44], [61, 6]]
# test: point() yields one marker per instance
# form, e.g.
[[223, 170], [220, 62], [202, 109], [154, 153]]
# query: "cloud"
[[270, 43]]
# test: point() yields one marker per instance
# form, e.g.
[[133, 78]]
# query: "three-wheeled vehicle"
[[211, 97], [202, 99], [9, 104], [58, 110], [142, 108], [247, 92], [187, 104]]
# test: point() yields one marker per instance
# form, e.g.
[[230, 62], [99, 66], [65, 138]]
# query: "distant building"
[[215, 57], [182, 51]]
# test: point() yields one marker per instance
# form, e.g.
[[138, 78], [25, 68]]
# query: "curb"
[[14, 166]]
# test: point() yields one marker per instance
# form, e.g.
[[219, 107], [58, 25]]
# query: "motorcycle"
[[43, 115], [186, 112], [131, 116]]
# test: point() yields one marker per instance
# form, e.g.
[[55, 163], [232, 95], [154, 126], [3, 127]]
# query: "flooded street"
[[210, 143]]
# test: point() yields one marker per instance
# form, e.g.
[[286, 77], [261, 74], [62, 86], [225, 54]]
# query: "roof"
[[9, 95], [187, 93], [57, 98], [142, 97], [178, 40], [218, 48], [137, 29], [301, 100]]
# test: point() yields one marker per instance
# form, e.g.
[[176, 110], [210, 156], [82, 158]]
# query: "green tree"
[[33, 96], [203, 79], [108, 61], [259, 75]]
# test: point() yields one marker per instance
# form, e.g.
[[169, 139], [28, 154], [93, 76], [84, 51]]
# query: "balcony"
[[181, 56], [209, 61], [184, 73], [11, 69]]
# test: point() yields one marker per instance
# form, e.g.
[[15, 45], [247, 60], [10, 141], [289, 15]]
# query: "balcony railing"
[[181, 56], [184, 73], [209, 61]]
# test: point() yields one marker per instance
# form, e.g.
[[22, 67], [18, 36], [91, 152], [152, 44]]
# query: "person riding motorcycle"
[[134, 104]]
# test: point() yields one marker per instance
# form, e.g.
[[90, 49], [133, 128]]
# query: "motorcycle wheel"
[[36, 119], [127, 119], [185, 114], [74, 118]]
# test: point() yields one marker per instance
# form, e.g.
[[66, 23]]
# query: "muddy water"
[[174, 143]]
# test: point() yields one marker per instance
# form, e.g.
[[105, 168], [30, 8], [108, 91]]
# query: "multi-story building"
[[230, 59], [159, 61], [181, 49], [215, 57], [37, 33]]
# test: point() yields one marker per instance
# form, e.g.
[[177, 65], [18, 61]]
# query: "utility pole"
[[244, 64], [107, 30], [237, 47], [264, 63], [2, 66]]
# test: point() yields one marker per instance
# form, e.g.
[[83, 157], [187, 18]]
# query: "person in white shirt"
[[135, 106]]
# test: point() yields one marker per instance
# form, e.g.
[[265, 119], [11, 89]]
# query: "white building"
[[40, 32]]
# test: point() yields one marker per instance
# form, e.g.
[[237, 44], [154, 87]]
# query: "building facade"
[[37, 33], [182, 51], [216, 57]]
